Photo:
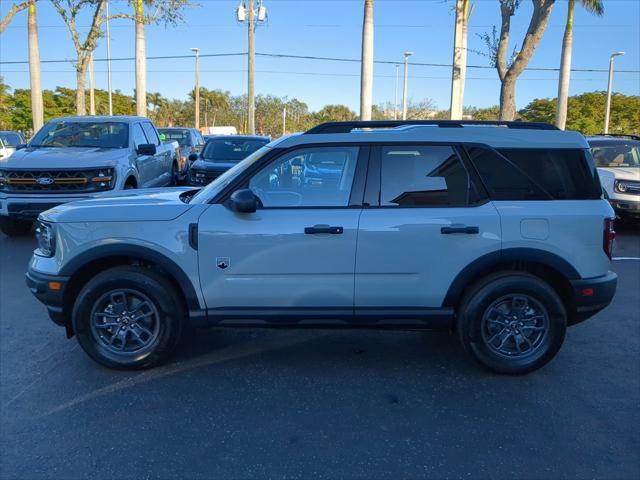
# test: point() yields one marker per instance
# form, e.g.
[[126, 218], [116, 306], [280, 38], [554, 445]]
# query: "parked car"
[[77, 157], [190, 141], [220, 154], [8, 142], [498, 232], [618, 160]]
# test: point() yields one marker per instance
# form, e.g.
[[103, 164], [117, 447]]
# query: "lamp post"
[[109, 61], [245, 12], [406, 84], [395, 101], [609, 87], [196, 96]]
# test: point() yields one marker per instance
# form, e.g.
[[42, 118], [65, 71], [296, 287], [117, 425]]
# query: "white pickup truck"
[[73, 158]]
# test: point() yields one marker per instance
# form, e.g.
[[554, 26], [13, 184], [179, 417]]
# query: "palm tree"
[[141, 58], [596, 7], [458, 77], [34, 68], [366, 73]]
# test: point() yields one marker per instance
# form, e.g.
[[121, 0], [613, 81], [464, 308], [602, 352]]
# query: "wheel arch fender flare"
[[104, 252], [500, 259]]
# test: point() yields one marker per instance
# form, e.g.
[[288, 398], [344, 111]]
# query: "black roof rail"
[[346, 127], [618, 135]]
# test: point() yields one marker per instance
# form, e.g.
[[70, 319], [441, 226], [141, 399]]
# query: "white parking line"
[[626, 258]]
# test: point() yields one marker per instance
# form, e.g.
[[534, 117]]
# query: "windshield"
[[223, 180], [229, 150], [616, 155], [10, 139], [82, 134], [181, 136]]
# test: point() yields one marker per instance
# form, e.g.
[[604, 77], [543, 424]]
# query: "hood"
[[623, 173], [61, 158], [151, 204], [212, 166]]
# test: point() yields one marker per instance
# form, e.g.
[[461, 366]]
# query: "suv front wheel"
[[512, 322], [128, 318]]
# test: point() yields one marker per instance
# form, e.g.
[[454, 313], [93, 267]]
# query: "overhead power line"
[[316, 58]]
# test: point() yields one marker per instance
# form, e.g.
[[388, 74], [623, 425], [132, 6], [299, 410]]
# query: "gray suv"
[[497, 231]]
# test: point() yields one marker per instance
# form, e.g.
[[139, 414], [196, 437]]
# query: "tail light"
[[609, 235]]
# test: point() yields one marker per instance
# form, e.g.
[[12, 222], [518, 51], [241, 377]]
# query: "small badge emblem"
[[44, 180], [222, 263]]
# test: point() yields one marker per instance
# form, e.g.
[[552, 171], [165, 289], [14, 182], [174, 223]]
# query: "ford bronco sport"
[[495, 230]]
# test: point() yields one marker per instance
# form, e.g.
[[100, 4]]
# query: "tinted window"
[[422, 176], [311, 177], [83, 134], [181, 136], [564, 174], [230, 150], [10, 139], [616, 155], [150, 132], [138, 136]]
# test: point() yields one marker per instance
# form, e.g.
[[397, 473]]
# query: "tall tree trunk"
[[366, 68], [37, 111], [92, 94], [565, 69], [459, 61], [508, 98], [81, 80], [141, 62], [463, 55]]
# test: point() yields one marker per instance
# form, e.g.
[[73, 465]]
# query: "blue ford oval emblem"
[[44, 180]]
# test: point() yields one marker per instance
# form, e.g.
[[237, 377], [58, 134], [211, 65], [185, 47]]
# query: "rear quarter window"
[[537, 174]]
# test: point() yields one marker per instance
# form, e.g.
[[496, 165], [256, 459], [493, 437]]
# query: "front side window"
[[423, 176], [82, 134], [150, 132], [309, 177], [138, 136]]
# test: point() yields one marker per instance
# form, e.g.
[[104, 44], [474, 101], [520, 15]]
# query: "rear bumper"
[[49, 289], [592, 295]]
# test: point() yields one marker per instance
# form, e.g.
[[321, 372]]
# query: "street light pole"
[[609, 88], [196, 93], [395, 101], [109, 62], [406, 85], [250, 67]]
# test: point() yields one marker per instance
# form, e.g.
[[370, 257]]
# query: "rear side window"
[[537, 174], [138, 136], [423, 176]]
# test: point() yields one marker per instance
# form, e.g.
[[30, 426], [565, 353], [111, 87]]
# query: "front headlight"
[[104, 179], [3, 178], [46, 239]]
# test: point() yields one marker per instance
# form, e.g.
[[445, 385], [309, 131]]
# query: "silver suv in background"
[[9, 142], [73, 158], [618, 160]]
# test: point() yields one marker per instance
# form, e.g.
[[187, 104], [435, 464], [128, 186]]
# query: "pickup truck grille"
[[56, 181]]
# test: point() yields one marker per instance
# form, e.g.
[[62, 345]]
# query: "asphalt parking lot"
[[318, 404]]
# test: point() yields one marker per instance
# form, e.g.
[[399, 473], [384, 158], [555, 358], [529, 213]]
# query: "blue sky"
[[332, 28]]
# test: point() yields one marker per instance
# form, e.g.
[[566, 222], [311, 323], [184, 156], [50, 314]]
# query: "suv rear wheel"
[[128, 317], [512, 322], [12, 227]]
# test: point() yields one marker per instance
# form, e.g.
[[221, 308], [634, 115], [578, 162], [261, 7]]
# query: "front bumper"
[[28, 207], [592, 295], [49, 289]]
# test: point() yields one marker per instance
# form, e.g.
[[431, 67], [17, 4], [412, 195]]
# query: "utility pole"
[[366, 62], [246, 12], [196, 92], [405, 87], [109, 61], [37, 110], [607, 110], [92, 92], [284, 120], [395, 101]]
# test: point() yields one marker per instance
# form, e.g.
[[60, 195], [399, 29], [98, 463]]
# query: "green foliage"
[[585, 112]]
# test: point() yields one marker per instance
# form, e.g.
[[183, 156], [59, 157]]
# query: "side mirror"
[[21, 146], [146, 149], [193, 157], [243, 201]]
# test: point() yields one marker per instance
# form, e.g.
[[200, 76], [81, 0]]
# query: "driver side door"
[[294, 258]]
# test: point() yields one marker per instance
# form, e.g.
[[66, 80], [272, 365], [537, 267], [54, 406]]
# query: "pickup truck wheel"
[[12, 227], [512, 323], [174, 175], [128, 318]]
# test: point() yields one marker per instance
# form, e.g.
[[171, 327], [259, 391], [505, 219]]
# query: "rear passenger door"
[[426, 220], [144, 163]]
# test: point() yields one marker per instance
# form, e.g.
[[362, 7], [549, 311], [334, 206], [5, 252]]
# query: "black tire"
[[174, 175], [13, 228], [164, 322], [129, 186], [537, 316]]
